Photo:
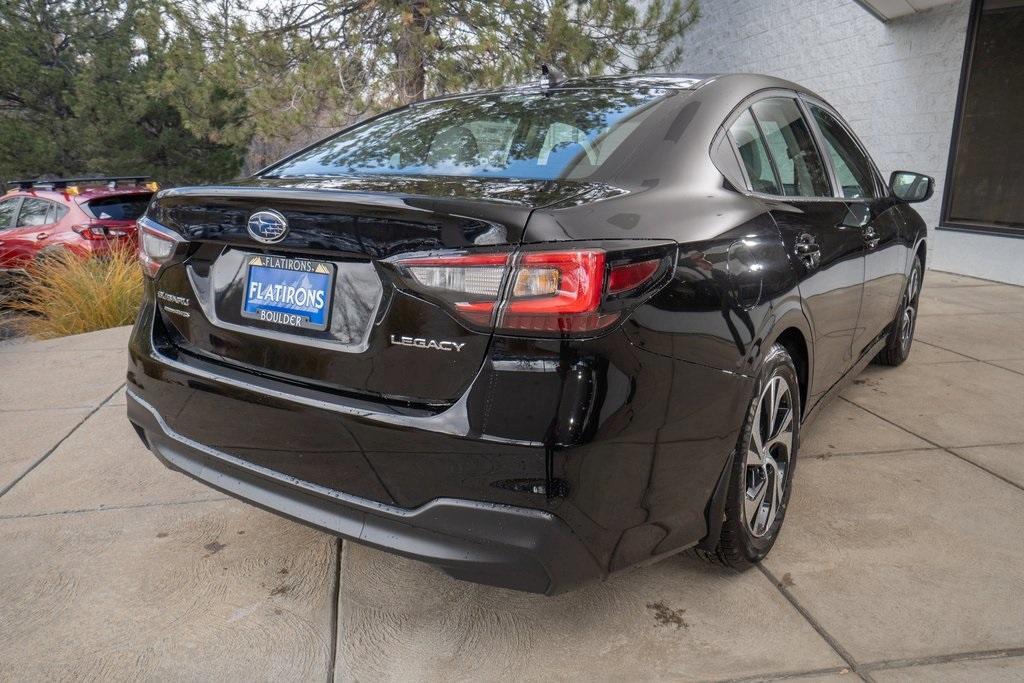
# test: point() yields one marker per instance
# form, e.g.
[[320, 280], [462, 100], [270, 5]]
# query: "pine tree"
[[76, 95], [184, 89], [306, 68]]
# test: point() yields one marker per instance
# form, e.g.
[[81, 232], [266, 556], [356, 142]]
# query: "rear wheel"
[[901, 335], [762, 472]]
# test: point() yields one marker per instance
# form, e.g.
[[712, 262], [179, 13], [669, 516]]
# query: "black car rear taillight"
[[542, 291], [158, 246]]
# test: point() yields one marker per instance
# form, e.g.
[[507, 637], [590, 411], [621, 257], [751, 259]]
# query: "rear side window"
[[791, 146], [7, 208], [853, 170], [119, 207], [57, 211], [754, 154], [33, 212]]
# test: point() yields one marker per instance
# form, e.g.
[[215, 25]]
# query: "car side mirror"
[[912, 187]]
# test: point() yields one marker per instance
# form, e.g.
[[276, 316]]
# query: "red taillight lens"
[[98, 231], [629, 276], [90, 232], [564, 294], [542, 292]]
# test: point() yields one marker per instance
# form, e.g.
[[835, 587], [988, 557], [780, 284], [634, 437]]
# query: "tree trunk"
[[410, 54]]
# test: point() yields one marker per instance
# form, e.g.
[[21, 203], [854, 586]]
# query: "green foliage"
[[184, 89], [76, 96]]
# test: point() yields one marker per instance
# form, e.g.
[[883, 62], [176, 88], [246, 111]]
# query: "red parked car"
[[86, 216]]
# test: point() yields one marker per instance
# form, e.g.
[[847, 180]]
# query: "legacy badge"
[[421, 343]]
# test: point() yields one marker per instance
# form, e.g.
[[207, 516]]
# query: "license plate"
[[288, 291]]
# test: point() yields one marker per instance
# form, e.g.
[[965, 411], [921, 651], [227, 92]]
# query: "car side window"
[[749, 143], [33, 212], [57, 211], [7, 208], [853, 169], [792, 148]]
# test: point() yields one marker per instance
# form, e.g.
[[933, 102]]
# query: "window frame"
[[746, 105], [945, 223]]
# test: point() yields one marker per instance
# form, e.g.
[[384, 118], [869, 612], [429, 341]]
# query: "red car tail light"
[[545, 293], [98, 231], [90, 232]]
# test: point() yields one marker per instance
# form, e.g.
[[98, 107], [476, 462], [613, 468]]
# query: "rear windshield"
[[119, 207], [566, 134]]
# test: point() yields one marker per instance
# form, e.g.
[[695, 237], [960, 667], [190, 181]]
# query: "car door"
[[872, 211], [777, 148], [32, 230]]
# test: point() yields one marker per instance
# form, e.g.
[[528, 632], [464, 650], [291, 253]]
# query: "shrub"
[[70, 294]]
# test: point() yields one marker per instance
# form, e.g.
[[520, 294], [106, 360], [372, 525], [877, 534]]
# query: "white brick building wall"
[[896, 83]]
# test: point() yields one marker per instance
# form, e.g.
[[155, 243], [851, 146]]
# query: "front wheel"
[[901, 335], [762, 472]]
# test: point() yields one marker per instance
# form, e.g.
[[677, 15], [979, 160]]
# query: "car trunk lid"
[[343, 237]]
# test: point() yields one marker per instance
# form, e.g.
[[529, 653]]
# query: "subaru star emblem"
[[267, 226]]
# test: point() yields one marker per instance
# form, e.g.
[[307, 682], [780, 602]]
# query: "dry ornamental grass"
[[70, 294]]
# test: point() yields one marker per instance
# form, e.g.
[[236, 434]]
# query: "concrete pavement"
[[900, 561]]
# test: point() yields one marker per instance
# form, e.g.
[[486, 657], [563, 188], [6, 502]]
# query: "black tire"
[[742, 542], [901, 335]]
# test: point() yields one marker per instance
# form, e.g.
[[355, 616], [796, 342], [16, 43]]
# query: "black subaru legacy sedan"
[[533, 336]]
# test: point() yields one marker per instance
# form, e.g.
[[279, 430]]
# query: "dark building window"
[[985, 181]]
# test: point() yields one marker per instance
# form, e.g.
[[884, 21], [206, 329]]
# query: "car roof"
[[669, 81], [655, 80], [678, 81]]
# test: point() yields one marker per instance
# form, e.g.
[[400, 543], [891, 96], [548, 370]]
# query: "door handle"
[[807, 250], [871, 238], [42, 236]]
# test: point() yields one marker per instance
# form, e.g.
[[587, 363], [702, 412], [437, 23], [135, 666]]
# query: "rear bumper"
[[561, 462], [501, 545]]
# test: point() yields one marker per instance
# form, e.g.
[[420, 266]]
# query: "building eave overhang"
[[886, 10]]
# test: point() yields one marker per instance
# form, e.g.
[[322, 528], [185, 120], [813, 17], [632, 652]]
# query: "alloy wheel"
[[768, 456], [909, 316]]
